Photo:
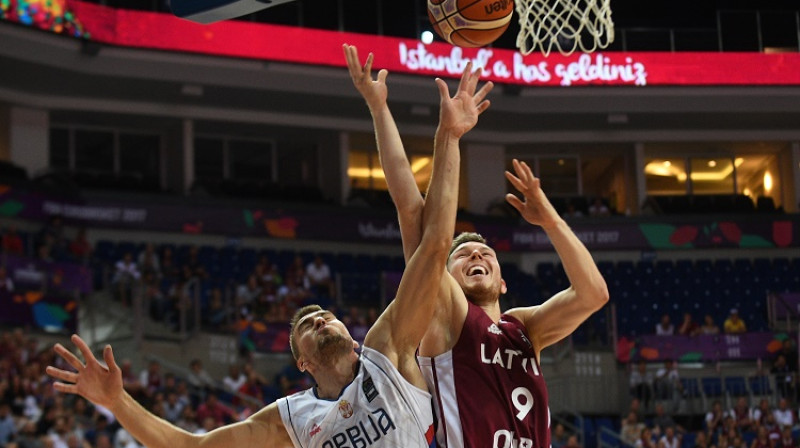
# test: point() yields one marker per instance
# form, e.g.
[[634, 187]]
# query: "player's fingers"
[[444, 92], [382, 75], [462, 85], [85, 351], [483, 106], [65, 388], [69, 357], [474, 77], [481, 94], [515, 202], [529, 177], [368, 64], [108, 356], [520, 171], [62, 375], [516, 182], [352, 60]]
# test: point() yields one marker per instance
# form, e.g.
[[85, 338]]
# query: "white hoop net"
[[564, 25]]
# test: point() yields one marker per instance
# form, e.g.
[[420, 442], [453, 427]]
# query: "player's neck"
[[331, 381], [492, 309]]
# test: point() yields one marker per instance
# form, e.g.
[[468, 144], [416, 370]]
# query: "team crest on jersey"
[[314, 430], [494, 329], [345, 409]]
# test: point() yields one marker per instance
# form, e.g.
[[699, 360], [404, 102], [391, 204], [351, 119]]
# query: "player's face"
[[475, 267], [322, 338]]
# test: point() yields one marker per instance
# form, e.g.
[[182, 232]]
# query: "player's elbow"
[[436, 245]]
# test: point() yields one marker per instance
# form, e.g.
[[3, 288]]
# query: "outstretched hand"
[[373, 91], [536, 209], [460, 113], [98, 384]]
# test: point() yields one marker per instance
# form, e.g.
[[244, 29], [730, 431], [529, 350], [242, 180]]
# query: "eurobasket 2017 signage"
[[163, 31]]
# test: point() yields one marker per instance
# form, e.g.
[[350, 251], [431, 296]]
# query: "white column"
[[29, 139], [188, 155], [641, 185], [484, 175]]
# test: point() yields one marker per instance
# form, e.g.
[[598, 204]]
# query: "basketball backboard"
[[210, 11]]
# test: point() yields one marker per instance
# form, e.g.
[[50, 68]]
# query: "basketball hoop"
[[564, 25]]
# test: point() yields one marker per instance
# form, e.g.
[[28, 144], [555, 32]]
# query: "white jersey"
[[378, 408]]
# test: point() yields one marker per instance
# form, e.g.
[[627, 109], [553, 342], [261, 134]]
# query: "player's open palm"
[[93, 381], [373, 91], [460, 113], [536, 209]]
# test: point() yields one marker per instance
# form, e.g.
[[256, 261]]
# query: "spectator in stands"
[[220, 413], [709, 327], [267, 272], [662, 421], [572, 212], [208, 425], [199, 380], [150, 378], [631, 428], [319, 278], [173, 408], [734, 324], [154, 298], [12, 243], [665, 327], [126, 274], [784, 415], [787, 439], [559, 437], [667, 382], [188, 420], [762, 439], [773, 428], [293, 293], [641, 384], [701, 440], [784, 377], [742, 415], [598, 208], [148, 262], [129, 380], [6, 285], [169, 268], [645, 439], [688, 327], [80, 249], [234, 380], [761, 412], [52, 236], [572, 442], [8, 429], [669, 439], [247, 294], [196, 268], [356, 323], [296, 272]]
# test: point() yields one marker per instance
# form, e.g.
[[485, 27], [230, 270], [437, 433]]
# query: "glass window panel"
[[422, 167], [139, 154], [712, 175], [664, 176], [559, 175], [250, 160], [364, 170], [59, 148], [208, 159], [94, 150]]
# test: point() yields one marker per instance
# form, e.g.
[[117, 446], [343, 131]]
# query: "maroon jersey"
[[488, 390]]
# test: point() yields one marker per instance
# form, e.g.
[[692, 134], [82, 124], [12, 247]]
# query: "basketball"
[[470, 23]]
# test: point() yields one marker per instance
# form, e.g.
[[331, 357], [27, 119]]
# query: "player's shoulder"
[[523, 313]]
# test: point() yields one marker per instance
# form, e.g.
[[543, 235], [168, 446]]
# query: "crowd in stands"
[[33, 415]]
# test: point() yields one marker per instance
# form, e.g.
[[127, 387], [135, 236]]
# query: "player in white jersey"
[[482, 364], [378, 398]]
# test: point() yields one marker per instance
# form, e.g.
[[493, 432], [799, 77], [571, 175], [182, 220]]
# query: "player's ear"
[[355, 344], [301, 364], [503, 287]]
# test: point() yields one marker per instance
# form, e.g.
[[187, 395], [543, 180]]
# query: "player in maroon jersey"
[[482, 364]]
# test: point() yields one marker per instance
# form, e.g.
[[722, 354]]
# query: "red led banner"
[[317, 47]]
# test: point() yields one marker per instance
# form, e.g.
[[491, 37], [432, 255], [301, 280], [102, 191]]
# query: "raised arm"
[[561, 314], [103, 386], [401, 327], [399, 177]]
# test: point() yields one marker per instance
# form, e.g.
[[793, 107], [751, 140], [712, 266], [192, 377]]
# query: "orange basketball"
[[470, 23]]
